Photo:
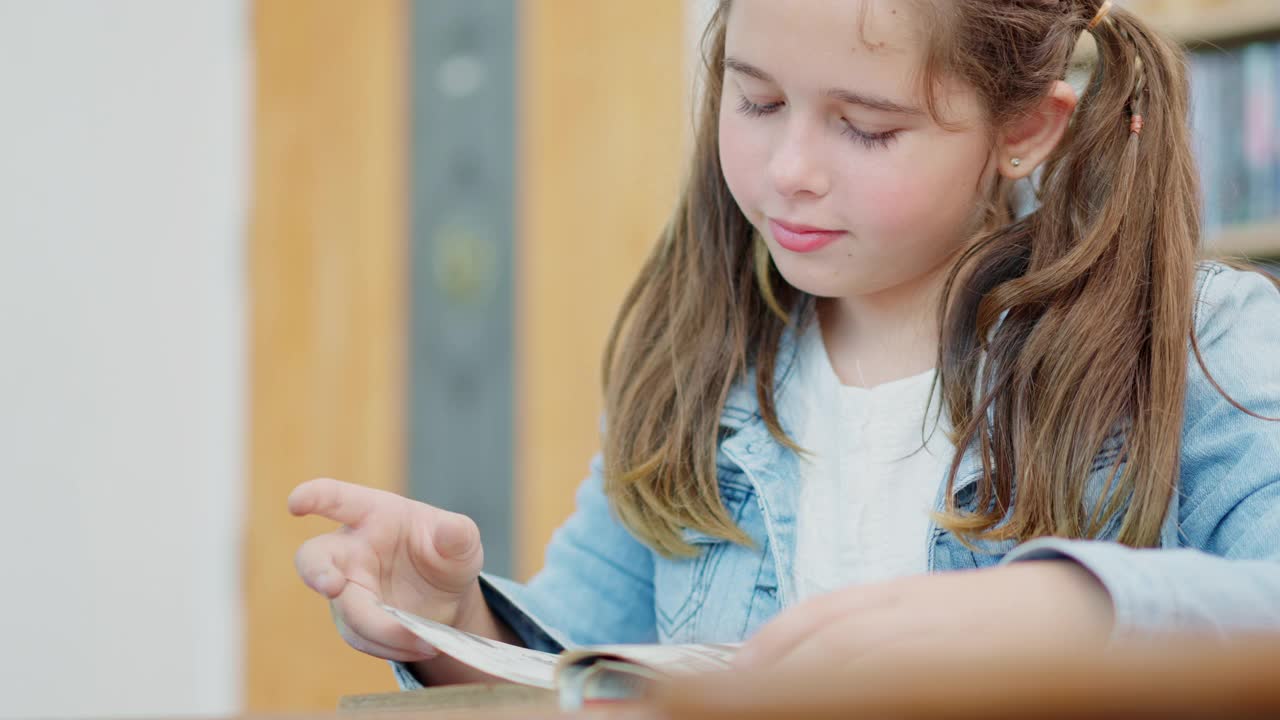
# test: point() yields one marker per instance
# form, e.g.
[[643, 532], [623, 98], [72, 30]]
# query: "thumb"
[[456, 539]]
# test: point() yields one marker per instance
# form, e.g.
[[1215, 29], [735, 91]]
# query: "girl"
[[849, 366]]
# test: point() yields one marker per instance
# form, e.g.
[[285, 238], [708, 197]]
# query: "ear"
[[1033, 137]]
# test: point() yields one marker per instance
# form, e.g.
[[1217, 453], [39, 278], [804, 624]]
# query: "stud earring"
[[1016, 162]]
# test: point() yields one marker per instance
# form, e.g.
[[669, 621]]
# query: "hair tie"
[[1102, 14]]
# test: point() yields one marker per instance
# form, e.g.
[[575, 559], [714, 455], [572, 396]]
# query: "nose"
[[796, 166]]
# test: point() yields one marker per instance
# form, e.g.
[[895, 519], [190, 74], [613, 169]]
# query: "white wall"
[[123, 176], [696, 15]]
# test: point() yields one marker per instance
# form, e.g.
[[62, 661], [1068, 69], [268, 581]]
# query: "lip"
[[802, 238]]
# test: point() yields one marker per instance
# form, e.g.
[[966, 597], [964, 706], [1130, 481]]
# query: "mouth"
[[799, 238]]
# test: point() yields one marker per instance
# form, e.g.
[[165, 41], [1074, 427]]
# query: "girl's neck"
[[886, 336]]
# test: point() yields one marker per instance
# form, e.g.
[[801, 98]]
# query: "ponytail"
[[1093, 294]]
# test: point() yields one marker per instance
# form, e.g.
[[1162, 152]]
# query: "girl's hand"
[[1038, 607], [394, 550]]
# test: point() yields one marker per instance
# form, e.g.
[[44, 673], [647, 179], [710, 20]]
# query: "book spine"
[[1258, 153], [1275, 131], [1235, 172], [1205, 133]]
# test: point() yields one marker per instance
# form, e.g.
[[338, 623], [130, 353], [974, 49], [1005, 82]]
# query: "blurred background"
[[250, 242]]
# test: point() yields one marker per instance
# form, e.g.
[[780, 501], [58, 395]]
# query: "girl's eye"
[[750, 109], [875, 141]]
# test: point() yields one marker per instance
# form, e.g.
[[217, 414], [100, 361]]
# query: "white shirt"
[[872, 475]]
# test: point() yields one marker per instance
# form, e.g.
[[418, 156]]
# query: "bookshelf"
[[1211, 22], [1254, 240], [1207, 25]]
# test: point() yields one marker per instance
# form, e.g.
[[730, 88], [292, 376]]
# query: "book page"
[[596, 679], [509, 662], [666, 659]]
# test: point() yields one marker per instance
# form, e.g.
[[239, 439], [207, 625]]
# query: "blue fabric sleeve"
[[1224, 573]]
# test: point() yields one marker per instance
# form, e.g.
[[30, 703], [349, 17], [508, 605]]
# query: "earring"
[[1016, 162]]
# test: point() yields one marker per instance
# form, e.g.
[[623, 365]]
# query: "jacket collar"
[[749, 439]]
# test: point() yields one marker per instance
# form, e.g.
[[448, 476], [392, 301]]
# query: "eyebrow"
[[845, 96]]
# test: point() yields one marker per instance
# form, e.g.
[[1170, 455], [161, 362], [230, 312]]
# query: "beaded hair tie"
[[1102, 14], [1135, 120]]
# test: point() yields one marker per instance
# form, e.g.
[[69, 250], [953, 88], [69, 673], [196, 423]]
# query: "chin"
[[817, 278]]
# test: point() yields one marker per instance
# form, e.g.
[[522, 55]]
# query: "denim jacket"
[[1217, 568]]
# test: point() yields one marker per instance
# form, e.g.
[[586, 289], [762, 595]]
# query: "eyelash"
[[875, 141]]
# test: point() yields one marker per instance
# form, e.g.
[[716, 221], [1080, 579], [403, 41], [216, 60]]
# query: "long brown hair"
[[1058, 330]]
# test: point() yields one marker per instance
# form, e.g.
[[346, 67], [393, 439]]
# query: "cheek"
[[919, 195], [885, 202], [742, 160]]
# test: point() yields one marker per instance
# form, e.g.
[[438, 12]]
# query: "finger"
[[775, 640], [912, 656], [322, 562], [456, 538], [422, 651], [446, 547], [849, 641], [385, 652], [363, 618], [338, 501], [781, 635]]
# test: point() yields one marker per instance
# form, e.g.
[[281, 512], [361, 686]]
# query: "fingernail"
[[427, 649]]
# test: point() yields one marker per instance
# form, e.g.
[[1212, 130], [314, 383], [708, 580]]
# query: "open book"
[[597, 673]]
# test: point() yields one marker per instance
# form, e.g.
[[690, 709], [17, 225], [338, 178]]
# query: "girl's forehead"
[[867, 46], [873, 44], [832, 27]]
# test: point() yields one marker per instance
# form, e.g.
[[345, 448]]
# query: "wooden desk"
[[1171, 681]]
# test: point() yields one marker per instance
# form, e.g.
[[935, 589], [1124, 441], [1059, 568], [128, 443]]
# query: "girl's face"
[[823, 128]]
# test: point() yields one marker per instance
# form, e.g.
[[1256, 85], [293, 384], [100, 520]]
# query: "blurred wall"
[[122, 370]]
